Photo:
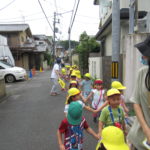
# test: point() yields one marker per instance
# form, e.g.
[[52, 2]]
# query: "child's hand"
[[62, 147], [96, 110], [98, 136]]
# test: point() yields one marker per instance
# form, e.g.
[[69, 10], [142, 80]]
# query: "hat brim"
[[116, 147], [113, 147], [72, 121], [122, 88], [143, 48]]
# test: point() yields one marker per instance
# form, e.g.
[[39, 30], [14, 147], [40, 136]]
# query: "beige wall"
[[2, 88], [25, 61], [95, 67], [108, 45], [75, 59]]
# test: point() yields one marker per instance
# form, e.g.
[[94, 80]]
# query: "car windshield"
[[5, 65]]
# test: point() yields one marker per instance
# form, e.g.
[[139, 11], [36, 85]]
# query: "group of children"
[[108, 107]]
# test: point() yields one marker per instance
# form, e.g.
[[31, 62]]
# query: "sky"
[[30, 12]]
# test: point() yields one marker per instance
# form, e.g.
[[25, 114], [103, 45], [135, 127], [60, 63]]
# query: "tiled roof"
[[13, 27]]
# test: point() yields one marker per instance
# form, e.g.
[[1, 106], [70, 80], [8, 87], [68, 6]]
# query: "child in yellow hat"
[[73, 84], [117, 85], [112, 139], [74, 94], [112, 115]]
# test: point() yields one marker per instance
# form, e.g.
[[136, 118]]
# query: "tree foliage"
[[87, 44], [65, 44]]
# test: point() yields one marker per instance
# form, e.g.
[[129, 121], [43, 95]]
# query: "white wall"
[[131, 62], [108, 45], [95, 67]]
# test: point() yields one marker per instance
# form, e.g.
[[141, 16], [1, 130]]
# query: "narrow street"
[[29, 116]]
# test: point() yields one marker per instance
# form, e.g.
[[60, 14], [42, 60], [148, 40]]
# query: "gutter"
[[124, 15]]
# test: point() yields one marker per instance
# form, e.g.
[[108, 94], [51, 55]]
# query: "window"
[[1, 67]]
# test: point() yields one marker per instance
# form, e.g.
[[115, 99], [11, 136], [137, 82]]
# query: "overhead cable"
[[7, 5], [75, 14], [45, 15]]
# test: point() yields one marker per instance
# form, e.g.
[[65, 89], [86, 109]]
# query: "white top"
[[53, 74], [67, 106], [98, 98]]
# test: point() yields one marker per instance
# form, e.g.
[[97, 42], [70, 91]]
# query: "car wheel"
[[9, 78]]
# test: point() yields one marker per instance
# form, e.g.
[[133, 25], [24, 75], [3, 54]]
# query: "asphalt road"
[[29, 116]]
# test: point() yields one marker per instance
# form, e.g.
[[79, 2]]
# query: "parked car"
[[12, 73]]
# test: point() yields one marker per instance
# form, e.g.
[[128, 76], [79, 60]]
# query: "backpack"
[[76, 136]]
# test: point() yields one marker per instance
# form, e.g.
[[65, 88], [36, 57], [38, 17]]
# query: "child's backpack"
[[76, 137]]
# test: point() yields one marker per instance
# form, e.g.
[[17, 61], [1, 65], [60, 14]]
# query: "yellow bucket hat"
[[117, 85], [78, 73], [73, 74], [113, 139], [112, 92], [72, 92], [63, 70], [73, 82], [87, 75]]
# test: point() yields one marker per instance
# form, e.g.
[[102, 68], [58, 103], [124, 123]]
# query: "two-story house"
[[129, 59], [43, 45], [19, 38]]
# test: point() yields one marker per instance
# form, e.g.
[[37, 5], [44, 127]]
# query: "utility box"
[[2, 85]]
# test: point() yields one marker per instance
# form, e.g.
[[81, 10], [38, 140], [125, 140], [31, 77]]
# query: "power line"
[[25, 20], [75, 13], [45, 15], [7, 5], [72, 14]]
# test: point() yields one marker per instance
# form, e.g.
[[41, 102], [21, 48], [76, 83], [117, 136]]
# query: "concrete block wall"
[[2, 88]]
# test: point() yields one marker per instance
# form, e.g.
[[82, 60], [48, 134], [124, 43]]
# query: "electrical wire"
[[45, 15], [29, 20], [75, 14], [7, 5], [72, 15]]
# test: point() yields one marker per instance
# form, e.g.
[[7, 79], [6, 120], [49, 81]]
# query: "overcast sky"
[[29, 11]]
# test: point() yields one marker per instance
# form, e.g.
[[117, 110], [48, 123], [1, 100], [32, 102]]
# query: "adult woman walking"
[[141, 100], [55, 76]]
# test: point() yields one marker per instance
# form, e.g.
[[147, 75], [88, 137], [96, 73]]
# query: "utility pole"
[[115, 39], [133, 15], [54, 24]]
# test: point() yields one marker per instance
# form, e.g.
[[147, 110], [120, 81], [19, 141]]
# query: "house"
[[19, 38], [43, 45], [104, 35]]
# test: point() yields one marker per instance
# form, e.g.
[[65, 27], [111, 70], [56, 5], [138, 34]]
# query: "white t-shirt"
[[53, 74], [98, 98], [67, 106]]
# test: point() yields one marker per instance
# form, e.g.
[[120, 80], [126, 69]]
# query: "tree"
[[65, 44], [87, 44]]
